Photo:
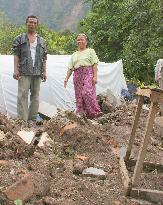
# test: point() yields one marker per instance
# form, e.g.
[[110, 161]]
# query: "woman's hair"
[[86, 37]]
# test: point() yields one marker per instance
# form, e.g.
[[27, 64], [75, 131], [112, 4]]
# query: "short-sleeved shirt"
[[83, 58]]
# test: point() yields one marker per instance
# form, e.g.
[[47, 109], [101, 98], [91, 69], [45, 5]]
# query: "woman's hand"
[[65, 83], [94, 80]]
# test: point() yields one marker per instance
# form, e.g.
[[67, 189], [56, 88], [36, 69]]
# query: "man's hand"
[[94, 80], [44, 77], [16, 75]]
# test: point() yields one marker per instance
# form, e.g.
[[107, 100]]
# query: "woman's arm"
[[69, 72], [94, 81]]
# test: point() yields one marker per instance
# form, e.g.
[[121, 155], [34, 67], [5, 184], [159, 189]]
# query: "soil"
[[56, 168]]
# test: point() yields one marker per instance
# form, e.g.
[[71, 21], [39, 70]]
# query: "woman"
[[84, 65]]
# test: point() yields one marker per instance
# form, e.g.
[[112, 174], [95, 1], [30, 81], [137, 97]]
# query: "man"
[[30, 56]]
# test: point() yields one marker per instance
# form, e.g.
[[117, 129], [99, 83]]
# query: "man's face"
[[32, 24]]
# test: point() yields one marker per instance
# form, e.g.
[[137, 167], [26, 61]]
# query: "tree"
[[57, 43], [130, 30]]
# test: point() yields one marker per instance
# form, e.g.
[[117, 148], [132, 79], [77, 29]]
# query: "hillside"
[[58, 15]]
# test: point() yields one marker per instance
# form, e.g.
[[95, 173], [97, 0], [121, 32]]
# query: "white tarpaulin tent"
[[110, 76]]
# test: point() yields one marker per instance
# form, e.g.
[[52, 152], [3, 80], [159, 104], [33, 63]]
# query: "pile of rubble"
[[78, 165]]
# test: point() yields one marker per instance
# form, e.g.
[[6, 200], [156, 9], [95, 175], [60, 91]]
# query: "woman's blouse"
[[86, 57]]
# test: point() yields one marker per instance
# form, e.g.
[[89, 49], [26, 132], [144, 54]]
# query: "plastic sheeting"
[[110, 76]]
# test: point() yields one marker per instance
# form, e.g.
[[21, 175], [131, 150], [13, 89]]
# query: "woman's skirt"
[[85, 92]]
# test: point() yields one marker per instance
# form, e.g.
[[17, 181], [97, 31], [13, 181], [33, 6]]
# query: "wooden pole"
[[135, 123], [143, 149]]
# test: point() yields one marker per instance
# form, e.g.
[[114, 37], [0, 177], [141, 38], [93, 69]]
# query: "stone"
[[27, 136], [3, 162], [2, 136], [22, 189], [94, 172], [116, 203], [78, 166]]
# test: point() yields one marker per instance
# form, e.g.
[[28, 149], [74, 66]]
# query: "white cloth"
[[33, 50], [158, 68], [110, 76]]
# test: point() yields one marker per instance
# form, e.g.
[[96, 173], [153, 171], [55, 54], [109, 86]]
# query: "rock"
[[2, 136], [49, 201], [159, 125], [79, 165], [116, 203], [22, 189], [2, 127], [94, 172], [3, 162], [106, 107], [41, 183], [28, 136]]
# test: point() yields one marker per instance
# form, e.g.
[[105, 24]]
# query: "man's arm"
[[44, 77], [16, 74]]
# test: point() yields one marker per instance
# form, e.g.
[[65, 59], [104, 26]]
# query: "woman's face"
[[81, 42]]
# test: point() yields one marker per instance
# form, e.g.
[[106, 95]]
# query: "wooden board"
[[125, 177], [144, 144], [154, 196], [134, 126], [144, 92], [146, 165]]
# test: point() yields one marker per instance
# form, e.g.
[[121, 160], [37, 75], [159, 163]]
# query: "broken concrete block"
[[47, 109], [94, 172], [44, 139], [22, 189], [28, 136]]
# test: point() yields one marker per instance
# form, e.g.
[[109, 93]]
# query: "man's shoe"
[[31, 123]]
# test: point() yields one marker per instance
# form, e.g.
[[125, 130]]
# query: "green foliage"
[[18, 202], [57, 43], [131, 30], [56, 14]]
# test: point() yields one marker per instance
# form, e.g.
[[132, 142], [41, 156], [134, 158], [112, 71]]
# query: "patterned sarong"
[[85, 92]]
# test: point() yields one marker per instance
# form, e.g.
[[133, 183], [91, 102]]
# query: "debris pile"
[[78, 166]]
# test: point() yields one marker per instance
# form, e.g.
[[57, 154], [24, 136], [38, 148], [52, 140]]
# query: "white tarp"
[[110, 76]]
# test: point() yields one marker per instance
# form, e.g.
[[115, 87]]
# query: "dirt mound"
[[54, 172]]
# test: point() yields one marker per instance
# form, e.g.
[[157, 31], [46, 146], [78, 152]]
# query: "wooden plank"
[[157, 96], [125, 177], [146, 165], [135, 123], [144, 92], [143, 149], [154, 196]]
